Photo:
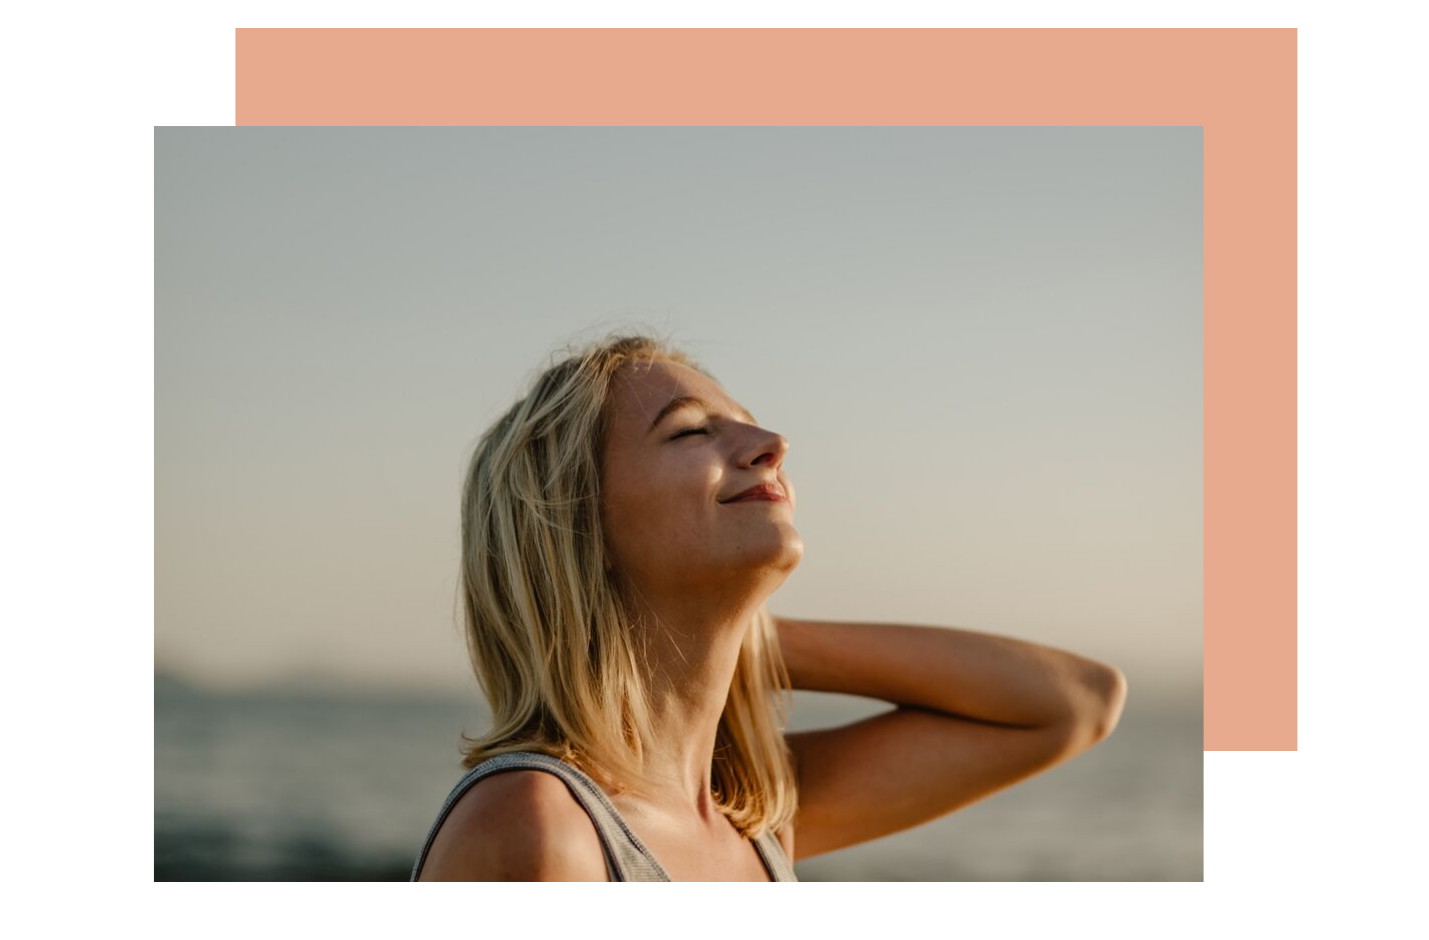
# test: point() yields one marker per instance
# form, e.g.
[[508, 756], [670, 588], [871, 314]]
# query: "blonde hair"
[[558, 654]]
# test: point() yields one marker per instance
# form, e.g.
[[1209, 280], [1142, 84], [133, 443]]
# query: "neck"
[[694, 648]]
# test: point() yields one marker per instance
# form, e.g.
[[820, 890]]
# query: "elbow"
[[1107, 698], [1095, 708]]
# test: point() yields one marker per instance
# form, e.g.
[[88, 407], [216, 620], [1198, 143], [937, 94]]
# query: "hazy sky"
[[984, 345]]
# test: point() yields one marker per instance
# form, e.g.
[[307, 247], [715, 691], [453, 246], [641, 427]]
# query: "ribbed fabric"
[[626, 857]]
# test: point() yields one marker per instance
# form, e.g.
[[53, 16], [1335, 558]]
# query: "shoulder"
[[516, 825]]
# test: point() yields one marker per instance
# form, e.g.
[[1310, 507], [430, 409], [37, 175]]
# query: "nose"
[[769, 450]]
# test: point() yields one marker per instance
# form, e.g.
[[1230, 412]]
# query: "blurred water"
[[287, 786]]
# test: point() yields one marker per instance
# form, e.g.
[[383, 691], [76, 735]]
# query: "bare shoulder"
[[517, 825]]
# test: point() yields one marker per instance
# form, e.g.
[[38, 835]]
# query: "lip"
[[770, 492]]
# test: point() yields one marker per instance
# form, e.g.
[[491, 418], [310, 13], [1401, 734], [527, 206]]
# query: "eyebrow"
[[682, 401]]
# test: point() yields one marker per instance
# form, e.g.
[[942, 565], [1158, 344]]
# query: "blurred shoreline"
[[326, 782]]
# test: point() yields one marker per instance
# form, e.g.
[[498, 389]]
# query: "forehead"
[[641, 389]]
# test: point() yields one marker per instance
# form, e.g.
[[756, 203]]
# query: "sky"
[[984, 345]]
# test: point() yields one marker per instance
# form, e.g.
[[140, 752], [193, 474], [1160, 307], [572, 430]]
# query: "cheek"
[[637, 508], [678, 505], [666, 510], [675, 485]]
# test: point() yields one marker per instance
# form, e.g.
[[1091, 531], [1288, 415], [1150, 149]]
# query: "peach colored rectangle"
[[1238, 84]]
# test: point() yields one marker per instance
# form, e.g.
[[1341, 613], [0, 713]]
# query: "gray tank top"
[[626, 857]]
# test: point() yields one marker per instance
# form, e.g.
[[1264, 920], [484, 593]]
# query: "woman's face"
[[667, 526]]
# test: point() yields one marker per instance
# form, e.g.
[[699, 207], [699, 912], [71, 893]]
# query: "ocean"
[[288, 785]]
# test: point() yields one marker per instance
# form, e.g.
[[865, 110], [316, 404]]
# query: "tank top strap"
[[626, 857], [775, 858]]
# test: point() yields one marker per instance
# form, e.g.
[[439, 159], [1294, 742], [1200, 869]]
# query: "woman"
[[623, 526]]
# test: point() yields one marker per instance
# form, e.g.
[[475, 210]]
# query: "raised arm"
[[975, 713]]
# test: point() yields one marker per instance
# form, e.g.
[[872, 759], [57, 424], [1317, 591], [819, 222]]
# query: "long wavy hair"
[[557, 652]]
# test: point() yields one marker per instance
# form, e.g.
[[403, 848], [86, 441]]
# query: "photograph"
[[678, 503]]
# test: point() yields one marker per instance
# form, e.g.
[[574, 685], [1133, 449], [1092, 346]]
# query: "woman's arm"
[[975, 714], [957, 672]]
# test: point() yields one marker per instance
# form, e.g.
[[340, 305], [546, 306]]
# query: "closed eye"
[[681, 434]]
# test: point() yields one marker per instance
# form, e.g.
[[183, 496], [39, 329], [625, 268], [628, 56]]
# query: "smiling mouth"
[[760, 496], [763, 492]]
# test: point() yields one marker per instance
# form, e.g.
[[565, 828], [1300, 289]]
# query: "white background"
[[1325, 837]]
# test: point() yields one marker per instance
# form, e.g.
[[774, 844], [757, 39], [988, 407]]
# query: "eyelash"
[[689, 431]]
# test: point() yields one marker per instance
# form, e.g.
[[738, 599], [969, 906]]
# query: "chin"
[[798, 552], [791, 550], [782, 554]]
